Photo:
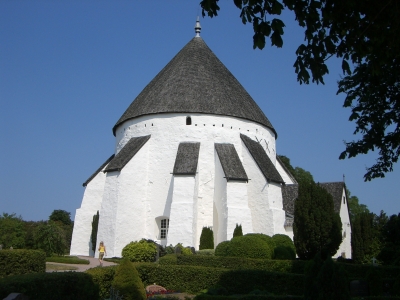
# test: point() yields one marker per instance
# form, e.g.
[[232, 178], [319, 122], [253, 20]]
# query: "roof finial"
[[197, 28], [344, 177]]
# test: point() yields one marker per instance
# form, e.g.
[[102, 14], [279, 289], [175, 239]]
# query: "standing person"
[[102, 252]]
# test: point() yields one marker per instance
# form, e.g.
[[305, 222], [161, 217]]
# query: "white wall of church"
[[135, 198], [345, 246], [91, 203]]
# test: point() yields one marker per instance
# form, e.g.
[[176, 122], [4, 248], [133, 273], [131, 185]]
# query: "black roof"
[[261, 158], [290, 194], [231, 164], [98, 170], [195, 81], [125, 154], [186, 159], [336, 190]]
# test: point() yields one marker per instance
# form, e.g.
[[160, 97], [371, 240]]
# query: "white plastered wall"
[[81, 243], [151, 188], [345, 246]]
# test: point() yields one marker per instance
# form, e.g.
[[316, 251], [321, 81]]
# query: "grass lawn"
[[67, 260], [53, 267]]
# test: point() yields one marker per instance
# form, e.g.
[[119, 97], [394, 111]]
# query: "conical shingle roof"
[[195, 81]]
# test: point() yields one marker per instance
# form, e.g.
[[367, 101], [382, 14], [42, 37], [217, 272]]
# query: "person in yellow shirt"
[[102, 252]]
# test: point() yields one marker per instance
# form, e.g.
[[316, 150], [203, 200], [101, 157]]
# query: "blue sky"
[[69, 69]]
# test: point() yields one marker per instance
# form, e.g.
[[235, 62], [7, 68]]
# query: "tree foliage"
[[365, 36], [206, 238], [316, 227], [355, 207], [93, 236], [62, 216], [390, 253], [12, 231], [364, 238], [298, 173], [50, 238], [238, 230]]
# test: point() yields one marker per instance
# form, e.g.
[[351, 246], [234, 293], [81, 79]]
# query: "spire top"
[[197, 27]]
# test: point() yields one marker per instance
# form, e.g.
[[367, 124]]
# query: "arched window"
[[188, 121]]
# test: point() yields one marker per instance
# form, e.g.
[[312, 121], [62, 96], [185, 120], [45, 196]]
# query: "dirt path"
[[94, 262]]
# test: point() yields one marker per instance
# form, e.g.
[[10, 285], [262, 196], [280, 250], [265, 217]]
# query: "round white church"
[[192, 150]]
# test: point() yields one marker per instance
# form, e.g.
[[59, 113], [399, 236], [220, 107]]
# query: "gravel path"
[[94, 262]]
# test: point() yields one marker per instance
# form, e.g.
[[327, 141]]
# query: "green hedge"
[[17, 262], [102, 278], [171, 259], [286, 266], [247, 297], [49, 286], [355, 271], [193, 279], [67, 260]]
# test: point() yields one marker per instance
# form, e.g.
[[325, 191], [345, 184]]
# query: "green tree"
[[127, 282], [59, 215], [95, 226], [364, 238], [316, 227], [355, 207], [365, 35], [390, 253], [206, 238], [238, 230], [298, 173], [12, 231], [50, 238]]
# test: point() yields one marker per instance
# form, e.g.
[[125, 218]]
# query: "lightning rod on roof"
[[197, 28]]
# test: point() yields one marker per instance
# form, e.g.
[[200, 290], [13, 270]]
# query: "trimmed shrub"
[[206, 239], [193, 279], [238, 230], [374, 278], [251, 246], [222, 249], [49, 286], [267, 239], [141, 251], [67, 260], [184, 250], [102, 278], [128, 283], [208, 252], [17, 262], [332, 282], [286, 266], [284, 247], [169, 259]]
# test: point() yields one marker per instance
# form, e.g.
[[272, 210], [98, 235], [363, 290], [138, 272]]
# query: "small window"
[[188, 121], [344, 200], [164, 228]]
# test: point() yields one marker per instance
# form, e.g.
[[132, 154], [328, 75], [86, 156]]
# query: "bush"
[[17, 262], [374, 278], [184, 250], [284, 247], [141, 251], [251, 246], [207, 252], [206, 239], [267, 239], [102, 278], [222, 249], [169, 259], [49, 286], [238, 231], [286, 266], [128, 283], [193, 279], [67, 260]]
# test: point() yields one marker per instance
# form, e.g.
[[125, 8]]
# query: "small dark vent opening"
[[188, 121]]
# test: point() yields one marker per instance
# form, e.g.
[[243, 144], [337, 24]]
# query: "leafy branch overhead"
[[365, 35]]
